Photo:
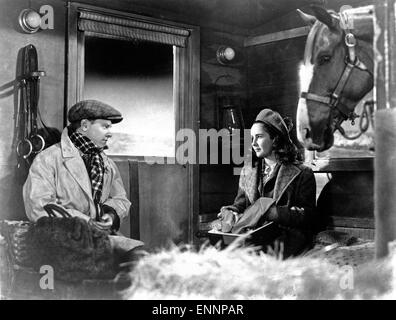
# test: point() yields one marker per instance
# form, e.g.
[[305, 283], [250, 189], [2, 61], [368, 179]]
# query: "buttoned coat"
[[58, 175], [294, 186]]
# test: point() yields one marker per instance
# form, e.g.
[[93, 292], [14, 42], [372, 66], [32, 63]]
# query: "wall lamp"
[[225, 54], [29, 20]]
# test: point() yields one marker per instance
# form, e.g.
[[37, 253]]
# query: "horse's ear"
[[323, 16], [308, 19]]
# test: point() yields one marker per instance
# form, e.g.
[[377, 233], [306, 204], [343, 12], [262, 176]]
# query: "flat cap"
[[93, 109]]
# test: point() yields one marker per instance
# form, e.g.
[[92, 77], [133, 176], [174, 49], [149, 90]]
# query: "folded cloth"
[[122, 244], [125, 250], [252, 215]]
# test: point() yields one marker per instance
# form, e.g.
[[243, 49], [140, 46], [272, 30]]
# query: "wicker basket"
[[14, 255], [18, 279], [14, 233]]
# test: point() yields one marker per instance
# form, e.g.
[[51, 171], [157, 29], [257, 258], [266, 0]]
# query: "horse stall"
[[189, 77]]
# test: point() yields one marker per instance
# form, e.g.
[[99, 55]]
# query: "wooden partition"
[[160, 213]]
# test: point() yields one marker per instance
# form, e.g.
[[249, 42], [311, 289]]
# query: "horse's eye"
[[323, 59]]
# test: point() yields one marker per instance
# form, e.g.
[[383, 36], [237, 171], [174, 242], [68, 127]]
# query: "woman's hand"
[[298, 210], [224, 211], [227, 218]]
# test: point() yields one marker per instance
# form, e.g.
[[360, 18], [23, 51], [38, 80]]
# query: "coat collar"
[[286, 175], [70, 151], [249, 182], [75, 164]]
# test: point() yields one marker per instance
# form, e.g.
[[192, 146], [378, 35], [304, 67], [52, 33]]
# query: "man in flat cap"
[[76, 175]]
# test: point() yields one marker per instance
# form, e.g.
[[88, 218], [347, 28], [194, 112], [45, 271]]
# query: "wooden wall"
[[50, 49], [273, 77], [218, 184]]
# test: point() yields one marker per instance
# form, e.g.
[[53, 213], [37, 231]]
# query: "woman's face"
[[261, 141]]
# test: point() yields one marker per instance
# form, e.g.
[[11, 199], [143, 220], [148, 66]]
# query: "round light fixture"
[[225, 54], [29, 20]]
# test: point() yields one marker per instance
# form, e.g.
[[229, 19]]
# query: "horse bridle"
[[335, 101], [29, 141]]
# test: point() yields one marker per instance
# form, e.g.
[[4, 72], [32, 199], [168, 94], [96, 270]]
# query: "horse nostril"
[[307, 133]]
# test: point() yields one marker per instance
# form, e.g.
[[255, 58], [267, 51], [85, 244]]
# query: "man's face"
[[261, 141], [99, 131]]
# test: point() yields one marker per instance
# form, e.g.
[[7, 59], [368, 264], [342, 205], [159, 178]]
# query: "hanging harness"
[[29, 141], [335, 101]]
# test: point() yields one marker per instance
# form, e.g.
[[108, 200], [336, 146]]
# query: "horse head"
[[337, 73]]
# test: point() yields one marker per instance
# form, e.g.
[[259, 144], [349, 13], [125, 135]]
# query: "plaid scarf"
[[93, 160]]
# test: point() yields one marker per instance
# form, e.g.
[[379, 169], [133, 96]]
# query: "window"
[[136, 77]]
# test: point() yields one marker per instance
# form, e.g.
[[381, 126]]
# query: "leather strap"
[[51, 208], [335, 100], [29, 142], [33, 77]]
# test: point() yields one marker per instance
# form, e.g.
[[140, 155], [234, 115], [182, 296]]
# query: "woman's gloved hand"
[[227, 218]]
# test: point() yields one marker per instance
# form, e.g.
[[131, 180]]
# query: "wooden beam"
[[277, 36], [341, 164], [385, 119], [134, 197], [352, 222]]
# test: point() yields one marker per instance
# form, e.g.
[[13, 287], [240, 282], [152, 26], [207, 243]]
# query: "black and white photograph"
[[197, 155]]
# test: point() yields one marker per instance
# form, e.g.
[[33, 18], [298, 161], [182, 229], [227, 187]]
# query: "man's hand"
[[105, 223], [115, 219]]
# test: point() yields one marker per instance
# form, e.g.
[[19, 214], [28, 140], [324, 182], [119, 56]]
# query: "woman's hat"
[[274, 120]]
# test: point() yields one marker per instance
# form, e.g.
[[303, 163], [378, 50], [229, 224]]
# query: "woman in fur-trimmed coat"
[[274, 186]]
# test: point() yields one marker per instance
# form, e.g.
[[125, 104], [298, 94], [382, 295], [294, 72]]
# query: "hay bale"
[[241, 273]]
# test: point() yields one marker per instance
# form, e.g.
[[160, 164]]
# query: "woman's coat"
[[295, 186]]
